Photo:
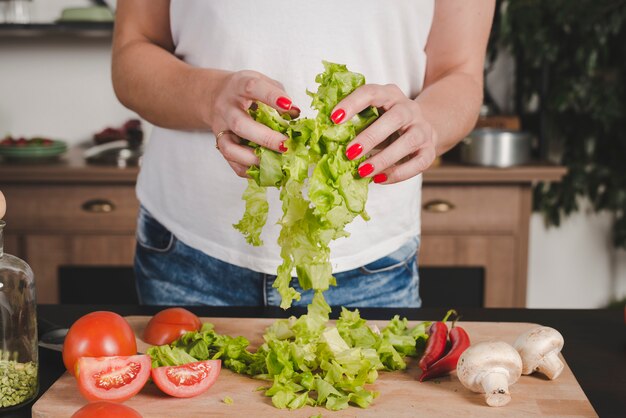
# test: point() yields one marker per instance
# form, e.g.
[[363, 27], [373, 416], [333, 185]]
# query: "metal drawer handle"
[[438, 206], [98, 206]]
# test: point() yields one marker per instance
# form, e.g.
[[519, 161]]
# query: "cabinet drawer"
[[68, 208], [469, 209]]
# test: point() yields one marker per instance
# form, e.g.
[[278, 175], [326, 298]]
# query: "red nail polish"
[[338, 115], [380, 178], [366, 169], [296, 108], [354, 151], [283, 103], [282, 147]]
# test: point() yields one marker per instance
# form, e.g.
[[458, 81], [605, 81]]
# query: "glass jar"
[[18, 331]]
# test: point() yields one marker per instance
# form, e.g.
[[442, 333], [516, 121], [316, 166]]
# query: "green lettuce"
[[336, 195], [306, 361]]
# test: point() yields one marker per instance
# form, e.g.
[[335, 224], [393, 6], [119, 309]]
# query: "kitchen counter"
[[595, 341], [72, 167]]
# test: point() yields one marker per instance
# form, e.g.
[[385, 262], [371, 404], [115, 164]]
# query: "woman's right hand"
[[229, 112]]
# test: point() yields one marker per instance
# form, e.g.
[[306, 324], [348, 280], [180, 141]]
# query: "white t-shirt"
[[185, 182]]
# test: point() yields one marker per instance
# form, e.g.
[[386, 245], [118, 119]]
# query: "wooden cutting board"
[[401, 394]]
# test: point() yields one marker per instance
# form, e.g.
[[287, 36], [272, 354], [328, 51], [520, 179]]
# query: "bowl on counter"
[[492, 147], [32, 150]]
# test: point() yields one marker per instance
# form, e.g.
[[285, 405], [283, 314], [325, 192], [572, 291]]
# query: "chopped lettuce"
[[336, 195], [306, 361]]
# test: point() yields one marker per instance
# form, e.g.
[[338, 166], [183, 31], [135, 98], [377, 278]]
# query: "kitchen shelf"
[[73, 29]]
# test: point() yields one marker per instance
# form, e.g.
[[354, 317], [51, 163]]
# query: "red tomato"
[[188, 380], [106, 410], [98, 334], [112, 378], [169, 324]]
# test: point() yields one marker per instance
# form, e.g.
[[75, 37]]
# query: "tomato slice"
[[188, 380], [169, 324], [113, 379], [106, 410]]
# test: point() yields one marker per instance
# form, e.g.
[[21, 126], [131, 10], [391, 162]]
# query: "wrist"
[[421, 118], [208, 83]]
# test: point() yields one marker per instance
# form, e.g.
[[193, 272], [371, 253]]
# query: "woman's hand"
[[229, 106], [410, 154]]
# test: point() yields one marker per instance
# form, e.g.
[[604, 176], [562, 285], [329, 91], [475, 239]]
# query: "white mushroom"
[[490, 368], [539, 349]]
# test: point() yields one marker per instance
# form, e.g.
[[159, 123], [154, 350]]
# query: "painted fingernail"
[[282, 147], [354, 151], [380, 178], [283, 103], [366, 169], [296, 108], [338, 115]]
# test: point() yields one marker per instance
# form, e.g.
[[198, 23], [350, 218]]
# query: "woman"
[[193, 67]]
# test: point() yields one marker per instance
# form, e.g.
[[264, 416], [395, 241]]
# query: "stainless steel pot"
[[496, 147]]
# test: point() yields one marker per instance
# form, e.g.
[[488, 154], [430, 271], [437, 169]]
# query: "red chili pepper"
[[460, 342], [436, 344]]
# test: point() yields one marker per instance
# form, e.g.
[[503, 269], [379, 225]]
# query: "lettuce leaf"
[[256, 213], [336, 195], [306, 361]]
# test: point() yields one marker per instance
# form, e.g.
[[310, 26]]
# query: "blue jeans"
[[169, 272]]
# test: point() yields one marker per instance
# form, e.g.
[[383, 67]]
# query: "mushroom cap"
[[3, 205], [537, 343], [488, 357]]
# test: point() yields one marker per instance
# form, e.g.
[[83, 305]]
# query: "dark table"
[[595, 341]]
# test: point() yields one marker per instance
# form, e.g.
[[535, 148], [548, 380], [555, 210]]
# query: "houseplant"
[[571, 91]]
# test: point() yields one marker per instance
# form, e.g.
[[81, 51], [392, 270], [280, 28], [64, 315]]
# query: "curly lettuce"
[[335, 194]]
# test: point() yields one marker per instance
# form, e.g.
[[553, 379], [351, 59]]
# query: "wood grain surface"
[[401, 395]]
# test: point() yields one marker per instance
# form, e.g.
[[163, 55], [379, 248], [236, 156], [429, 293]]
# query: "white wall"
[[571, 266], [57, 86], [61, 88]]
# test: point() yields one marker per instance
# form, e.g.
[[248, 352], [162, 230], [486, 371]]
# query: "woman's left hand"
[[410, 154]]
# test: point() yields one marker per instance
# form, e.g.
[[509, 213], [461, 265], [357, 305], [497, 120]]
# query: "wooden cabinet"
[[480, 226], [70, 214], [478, 217]]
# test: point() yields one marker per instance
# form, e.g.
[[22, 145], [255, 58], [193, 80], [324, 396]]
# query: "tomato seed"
[[118, 377], [189, 374]]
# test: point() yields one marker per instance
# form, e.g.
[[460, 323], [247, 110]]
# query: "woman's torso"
[[186, 183]]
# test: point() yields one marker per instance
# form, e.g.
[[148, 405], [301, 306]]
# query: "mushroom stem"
[[551, 365], [496, 387]]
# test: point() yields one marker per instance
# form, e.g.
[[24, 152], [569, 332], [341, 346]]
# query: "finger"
[[259, 88], [234, 152], [245, 127], [240, 170], [411, 168], [409, 143], [385, 126], [294, 112], [368, 95]]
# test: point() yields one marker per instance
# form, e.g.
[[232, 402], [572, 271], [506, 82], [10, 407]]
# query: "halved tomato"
[[112, 378], [169, 324], [188, 380], [98, 334], [106, 410]]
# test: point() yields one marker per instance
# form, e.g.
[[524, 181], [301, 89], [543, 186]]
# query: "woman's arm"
[[453, 88], [149, 79], [444, 111]]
